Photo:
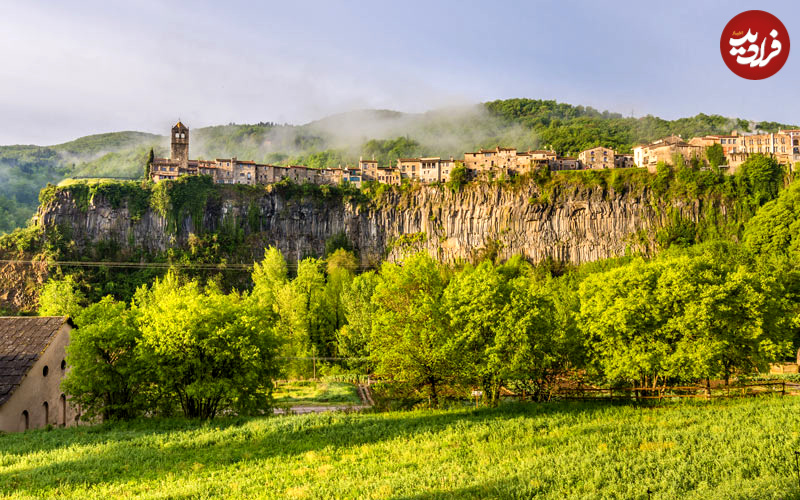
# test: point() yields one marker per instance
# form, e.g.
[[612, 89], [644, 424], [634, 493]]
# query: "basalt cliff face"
[[573, 224]]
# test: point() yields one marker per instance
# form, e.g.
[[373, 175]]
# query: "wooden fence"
[[670, 392]]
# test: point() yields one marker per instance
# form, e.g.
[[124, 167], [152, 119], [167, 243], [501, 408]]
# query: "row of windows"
[[25, 418]]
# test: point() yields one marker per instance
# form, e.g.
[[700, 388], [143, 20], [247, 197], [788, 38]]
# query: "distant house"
[[32, 365], [597, 158]]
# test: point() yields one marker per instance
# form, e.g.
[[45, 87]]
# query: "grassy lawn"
[[316, 393], [725, 449]]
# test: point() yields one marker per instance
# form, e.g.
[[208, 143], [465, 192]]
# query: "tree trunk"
[[434, 395]]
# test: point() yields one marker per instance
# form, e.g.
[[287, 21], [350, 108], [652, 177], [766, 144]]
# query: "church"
[[231, 170]]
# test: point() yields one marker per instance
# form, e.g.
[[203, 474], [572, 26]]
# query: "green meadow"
[[307, 392], [724, 449]]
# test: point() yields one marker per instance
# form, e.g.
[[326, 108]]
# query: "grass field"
[[725, 449], [317, 393]]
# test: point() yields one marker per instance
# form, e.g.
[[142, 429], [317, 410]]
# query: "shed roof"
[[22, 341]]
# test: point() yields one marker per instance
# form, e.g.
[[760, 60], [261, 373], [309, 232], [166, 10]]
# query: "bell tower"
[[180, 144]]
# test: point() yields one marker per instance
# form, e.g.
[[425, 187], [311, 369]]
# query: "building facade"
[[32, 365], [597, 158], [783, 145]]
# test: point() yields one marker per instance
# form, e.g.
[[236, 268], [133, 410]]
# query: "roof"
[[23, 339]]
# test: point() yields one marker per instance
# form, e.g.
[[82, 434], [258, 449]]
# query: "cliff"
[[572, 223]]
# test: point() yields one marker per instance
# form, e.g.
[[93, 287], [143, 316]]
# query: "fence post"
[[783, 388]]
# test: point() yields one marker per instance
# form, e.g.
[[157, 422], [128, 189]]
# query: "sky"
[[69, 68]]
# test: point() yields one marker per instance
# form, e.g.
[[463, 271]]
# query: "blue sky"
[[69, 69]]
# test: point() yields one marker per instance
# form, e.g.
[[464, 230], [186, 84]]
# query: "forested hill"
[[342, 139]]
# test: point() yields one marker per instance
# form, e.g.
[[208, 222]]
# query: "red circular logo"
[[754, 44]]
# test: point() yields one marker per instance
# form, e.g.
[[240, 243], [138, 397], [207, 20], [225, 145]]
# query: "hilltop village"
[[784, 146]]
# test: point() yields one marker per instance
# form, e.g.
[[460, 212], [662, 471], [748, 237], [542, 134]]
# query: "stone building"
[[368, 169], [565, 163], [664, 150], [597, 158], [531, 160], [409, 168], [32, 365], [623, 161], [226, 170], [491, 159]]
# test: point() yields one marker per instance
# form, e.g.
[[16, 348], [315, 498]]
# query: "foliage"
[[715, 155], [107, 376], [353, 338], [388, 151], [680, 319], [215, 351], [775, 228], [338, 241], [410, 336], [61, 297], [458, 177], [762, 176], [183, 197]]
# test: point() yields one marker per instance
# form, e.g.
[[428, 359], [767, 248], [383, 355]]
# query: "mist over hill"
[[342, 138]]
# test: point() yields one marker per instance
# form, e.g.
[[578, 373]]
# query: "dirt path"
[[363, 393]]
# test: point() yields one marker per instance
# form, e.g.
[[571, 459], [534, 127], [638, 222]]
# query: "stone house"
[[623, 161], [664, 150], [597, 158], [491, 159], [565, 163], [32, 365], [409, 168]]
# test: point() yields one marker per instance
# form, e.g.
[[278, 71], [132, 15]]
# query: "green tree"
[[336, 242], [214, 351], [410, 340], [107, 376], [269, 277], [458, 177], [148, 164], [715, 155], [342, 266], [61, 297], [476, 302], [681, 318], [762, 176], [353, 338]]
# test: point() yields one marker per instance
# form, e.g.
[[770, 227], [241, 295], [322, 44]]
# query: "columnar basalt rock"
[[578, 224]]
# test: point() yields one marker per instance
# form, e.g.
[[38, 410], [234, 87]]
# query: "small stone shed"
[[32, 365]]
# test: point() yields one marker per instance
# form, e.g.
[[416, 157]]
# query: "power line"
[[139, 265], [149, 265]]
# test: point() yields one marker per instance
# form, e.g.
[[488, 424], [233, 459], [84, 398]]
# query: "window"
[[25, 424], [63, 409], [63, 364], [45, 371], [46, 408]]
